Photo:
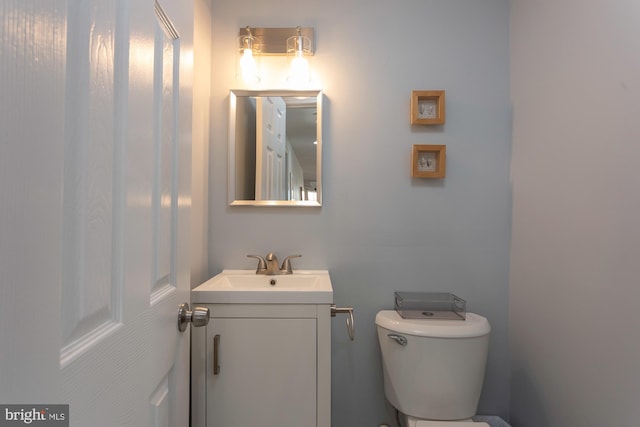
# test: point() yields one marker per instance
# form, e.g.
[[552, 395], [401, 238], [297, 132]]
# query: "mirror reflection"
[[275, 148]]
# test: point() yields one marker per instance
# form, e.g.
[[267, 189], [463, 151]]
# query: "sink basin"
[[247, 287]]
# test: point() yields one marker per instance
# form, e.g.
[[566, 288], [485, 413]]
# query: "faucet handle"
[[262, 264], [286, 264]]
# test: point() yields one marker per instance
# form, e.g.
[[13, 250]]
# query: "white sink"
[[247, 287]]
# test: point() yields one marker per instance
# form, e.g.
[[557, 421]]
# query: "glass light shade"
[[248, 59], [298, 47]]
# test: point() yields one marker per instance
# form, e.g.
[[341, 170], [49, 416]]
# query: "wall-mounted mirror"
[[275, 148]]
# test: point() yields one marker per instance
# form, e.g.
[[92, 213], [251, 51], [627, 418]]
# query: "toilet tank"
[[439, 371]]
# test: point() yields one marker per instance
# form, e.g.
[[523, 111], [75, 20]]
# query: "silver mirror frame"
[[231, 160]]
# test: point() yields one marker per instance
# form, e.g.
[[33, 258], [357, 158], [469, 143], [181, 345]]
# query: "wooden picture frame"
[[427, 107], [428, 161]]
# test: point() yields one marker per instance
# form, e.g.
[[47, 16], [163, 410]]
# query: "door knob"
[[198, 317]]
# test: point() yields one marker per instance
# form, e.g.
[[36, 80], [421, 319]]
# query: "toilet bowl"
[[434, 369]]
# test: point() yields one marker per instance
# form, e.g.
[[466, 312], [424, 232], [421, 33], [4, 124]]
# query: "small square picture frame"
[[427, 107], [428, 161]]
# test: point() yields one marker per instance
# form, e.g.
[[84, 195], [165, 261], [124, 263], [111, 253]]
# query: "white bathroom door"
[[271, 148], [94, 212]]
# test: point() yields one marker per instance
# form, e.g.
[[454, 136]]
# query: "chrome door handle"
[[198, 317]]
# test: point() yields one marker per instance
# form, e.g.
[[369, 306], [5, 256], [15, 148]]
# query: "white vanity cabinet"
[[262, 365]]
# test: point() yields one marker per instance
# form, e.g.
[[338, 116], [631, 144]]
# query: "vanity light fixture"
[[295, 43]]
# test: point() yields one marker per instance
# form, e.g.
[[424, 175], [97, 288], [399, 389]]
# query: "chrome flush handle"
[[398, 338]]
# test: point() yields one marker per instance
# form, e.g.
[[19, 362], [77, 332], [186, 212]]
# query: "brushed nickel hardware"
[[262, 264], [216, 347], [198, 317], [269, 264], [286, 264], [350, 322], [273, 41]]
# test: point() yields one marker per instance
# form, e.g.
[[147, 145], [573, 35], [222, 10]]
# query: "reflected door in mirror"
[[271, 170]]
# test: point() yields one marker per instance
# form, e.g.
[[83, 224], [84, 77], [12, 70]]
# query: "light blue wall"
[[574, 294], [379, 230]]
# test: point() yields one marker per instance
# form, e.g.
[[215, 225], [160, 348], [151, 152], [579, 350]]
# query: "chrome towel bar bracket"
[[350, 323]]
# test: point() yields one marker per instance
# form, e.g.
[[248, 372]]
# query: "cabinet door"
[[267, 375]]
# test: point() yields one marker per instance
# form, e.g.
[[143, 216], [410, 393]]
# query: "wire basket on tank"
[[430, 305]]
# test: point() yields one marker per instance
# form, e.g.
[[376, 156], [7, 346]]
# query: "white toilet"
[[433, 369]]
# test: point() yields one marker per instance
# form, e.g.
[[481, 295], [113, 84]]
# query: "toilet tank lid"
[[474, 325]]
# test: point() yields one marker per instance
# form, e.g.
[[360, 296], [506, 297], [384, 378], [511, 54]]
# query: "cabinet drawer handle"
[[216, 345]]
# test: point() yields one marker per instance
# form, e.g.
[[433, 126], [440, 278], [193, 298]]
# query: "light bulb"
[[299, 70], [249, 67]]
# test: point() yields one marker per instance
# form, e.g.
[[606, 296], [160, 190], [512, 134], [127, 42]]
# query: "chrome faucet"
[[269, 264]]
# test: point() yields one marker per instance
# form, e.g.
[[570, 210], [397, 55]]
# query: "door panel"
[[167, 47], [91, 286], [95, 172]]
